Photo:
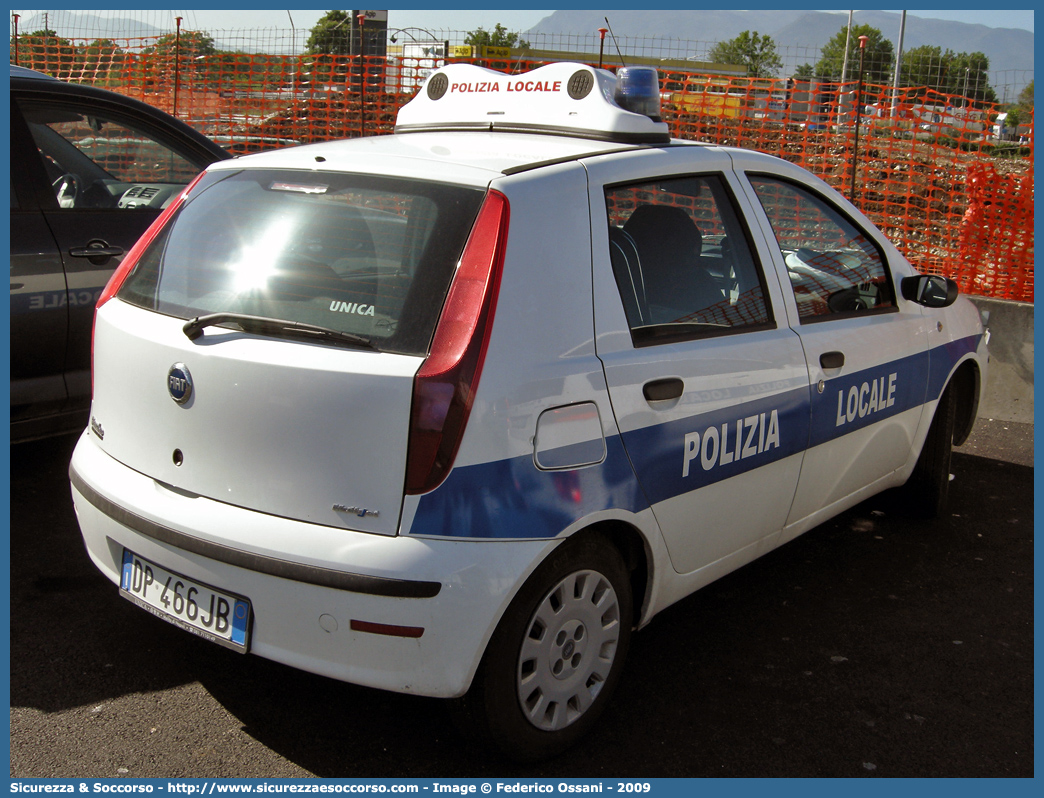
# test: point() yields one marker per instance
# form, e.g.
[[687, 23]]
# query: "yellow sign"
[[496, 52], [462, 51]]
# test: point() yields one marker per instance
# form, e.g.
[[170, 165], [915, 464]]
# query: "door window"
[[93, 160], [682, 260], [834, 267]]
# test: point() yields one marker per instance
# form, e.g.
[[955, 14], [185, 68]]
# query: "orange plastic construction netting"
[[935, 172]]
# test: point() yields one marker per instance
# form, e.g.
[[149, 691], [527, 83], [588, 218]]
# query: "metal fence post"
[[858, 115], [362, 75], [177, 61]]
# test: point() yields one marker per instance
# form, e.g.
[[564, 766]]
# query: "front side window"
[[92, 159], [682, 260], [834, 267], [356, 254]]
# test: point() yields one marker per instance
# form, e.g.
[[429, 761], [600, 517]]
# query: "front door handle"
[[661, 390], [97, 251], [832, 360]]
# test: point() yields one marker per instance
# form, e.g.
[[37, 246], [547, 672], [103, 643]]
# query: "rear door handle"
[[832, 360], [660, 390]]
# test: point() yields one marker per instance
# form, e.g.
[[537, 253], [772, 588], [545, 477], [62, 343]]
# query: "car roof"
[[468, 158], [37, 85], [476, 157], [24, 72]]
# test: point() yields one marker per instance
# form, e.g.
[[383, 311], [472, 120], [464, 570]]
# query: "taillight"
[[131, 258], [444, 388]]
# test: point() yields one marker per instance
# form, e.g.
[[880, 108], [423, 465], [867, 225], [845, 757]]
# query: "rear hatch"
[[262, 350]]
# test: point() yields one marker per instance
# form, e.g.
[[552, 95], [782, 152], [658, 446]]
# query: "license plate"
[[220, 617]]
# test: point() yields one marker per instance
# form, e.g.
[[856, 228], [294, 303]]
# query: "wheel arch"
[[634, 549], [623, 536], [966, 383]]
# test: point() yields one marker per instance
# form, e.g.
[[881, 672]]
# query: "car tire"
[[556, 655], [927, 490]]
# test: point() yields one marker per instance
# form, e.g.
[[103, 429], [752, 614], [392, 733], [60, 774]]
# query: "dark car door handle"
[[91, 251], [659, 390], [832, 360]]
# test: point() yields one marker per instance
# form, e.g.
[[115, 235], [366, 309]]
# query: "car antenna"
[[518, 63], [617, 44]]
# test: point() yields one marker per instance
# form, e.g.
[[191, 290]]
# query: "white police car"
[[452, 411]]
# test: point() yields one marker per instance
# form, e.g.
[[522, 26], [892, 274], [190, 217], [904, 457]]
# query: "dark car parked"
[[90, 171]]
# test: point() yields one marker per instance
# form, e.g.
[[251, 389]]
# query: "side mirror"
[[930, 290]]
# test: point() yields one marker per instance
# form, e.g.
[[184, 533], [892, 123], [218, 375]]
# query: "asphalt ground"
[[872, 646]]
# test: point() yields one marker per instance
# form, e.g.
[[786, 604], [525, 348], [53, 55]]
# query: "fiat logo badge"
[[179, 383]]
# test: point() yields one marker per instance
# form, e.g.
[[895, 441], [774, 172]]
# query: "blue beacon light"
[[638, 91]]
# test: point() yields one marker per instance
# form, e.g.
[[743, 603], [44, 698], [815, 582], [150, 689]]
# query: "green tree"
[[804, 72], [331, 35], [195, 53], [187, 43], [925, 66], [757, 53], [969, 76], [877, 58], [1021, 112], [498, 37], [963, 74], [99, 58], [1026, 97], [46, 51]]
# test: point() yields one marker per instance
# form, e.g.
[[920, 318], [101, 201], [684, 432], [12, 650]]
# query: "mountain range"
[[1009, 49], [797, 34], [73, 24]]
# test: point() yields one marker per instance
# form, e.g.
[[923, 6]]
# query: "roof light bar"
[[638, 90], [568, 99]]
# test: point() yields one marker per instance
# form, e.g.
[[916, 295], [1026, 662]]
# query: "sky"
[[516, 20]]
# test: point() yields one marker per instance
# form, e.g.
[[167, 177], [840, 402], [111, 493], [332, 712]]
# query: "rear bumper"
[[295, 573]]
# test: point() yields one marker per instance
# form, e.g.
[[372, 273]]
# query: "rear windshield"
[[352, 253]]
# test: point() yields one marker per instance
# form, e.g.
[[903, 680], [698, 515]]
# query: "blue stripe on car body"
[[512, 499]]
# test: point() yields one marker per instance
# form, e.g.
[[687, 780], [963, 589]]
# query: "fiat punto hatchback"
[[455, 410]]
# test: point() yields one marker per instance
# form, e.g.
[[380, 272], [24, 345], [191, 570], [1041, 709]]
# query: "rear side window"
[[352, 253], [682, 260]]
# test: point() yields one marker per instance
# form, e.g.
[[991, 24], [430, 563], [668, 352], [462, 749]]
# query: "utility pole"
[[898, 64], [294, 69], [848, 43], [844, 73]]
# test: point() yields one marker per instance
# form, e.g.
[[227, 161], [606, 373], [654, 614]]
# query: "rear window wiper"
[[278, 327]]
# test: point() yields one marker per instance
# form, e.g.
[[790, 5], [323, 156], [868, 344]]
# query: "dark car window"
[[93, 159], [834, 267], [682, 260]]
